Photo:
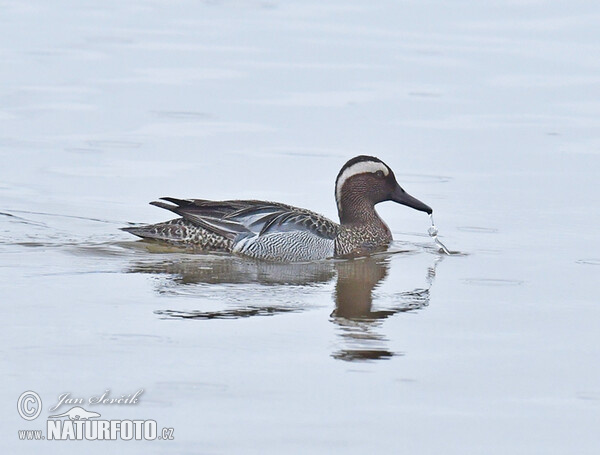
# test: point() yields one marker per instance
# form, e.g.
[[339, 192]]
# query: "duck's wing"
[[249, 217]]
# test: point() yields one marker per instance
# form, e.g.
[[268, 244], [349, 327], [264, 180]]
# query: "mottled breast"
[[358, 240]]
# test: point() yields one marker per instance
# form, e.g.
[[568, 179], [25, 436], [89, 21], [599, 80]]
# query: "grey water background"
[[487, 111]]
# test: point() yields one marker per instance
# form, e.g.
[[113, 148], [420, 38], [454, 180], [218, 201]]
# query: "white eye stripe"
[[359, 168]]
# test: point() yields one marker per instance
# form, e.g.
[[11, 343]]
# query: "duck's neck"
[[358, 210]]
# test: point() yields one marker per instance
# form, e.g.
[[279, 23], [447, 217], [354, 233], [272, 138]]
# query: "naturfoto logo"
[[78, 423]]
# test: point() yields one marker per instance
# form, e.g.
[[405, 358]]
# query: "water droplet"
[[433, 232]]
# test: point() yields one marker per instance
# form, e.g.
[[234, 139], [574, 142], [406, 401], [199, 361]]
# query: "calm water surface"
[[487, 112]]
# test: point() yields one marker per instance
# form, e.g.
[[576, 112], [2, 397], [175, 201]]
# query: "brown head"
[[365, 181]]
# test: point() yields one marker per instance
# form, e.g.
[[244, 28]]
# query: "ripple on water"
[[425, 94], [136, 338], [190, 386], [363, 355], [17, 219], [489, 251], [114, 144], [588, 261], [492, 282], [423, 178], [82, 150], [183, 115], [302, 152], [236, 313], [477, 229]]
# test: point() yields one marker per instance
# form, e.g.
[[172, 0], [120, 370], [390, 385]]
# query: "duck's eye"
[[379, 174]]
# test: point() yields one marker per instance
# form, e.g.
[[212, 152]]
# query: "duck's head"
[[365, 181]]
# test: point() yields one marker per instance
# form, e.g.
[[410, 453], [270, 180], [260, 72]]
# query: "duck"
[[277, 232]]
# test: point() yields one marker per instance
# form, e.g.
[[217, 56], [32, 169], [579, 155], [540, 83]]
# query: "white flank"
[[358, 168]]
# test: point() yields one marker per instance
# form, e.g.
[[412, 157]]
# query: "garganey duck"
[[278, 232]]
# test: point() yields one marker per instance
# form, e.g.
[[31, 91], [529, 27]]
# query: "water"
[[488, 112]]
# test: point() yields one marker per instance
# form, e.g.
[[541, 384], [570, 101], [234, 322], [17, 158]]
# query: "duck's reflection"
[[214, 269], [354, 311], [232, 279], [357, 314]]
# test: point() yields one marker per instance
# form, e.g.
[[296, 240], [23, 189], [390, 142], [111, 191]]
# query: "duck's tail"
[[182, 233]]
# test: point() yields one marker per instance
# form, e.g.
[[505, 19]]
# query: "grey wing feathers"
[[206, 214], [249, 217]]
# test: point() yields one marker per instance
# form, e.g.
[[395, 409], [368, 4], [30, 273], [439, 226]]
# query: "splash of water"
[[433, 232]]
